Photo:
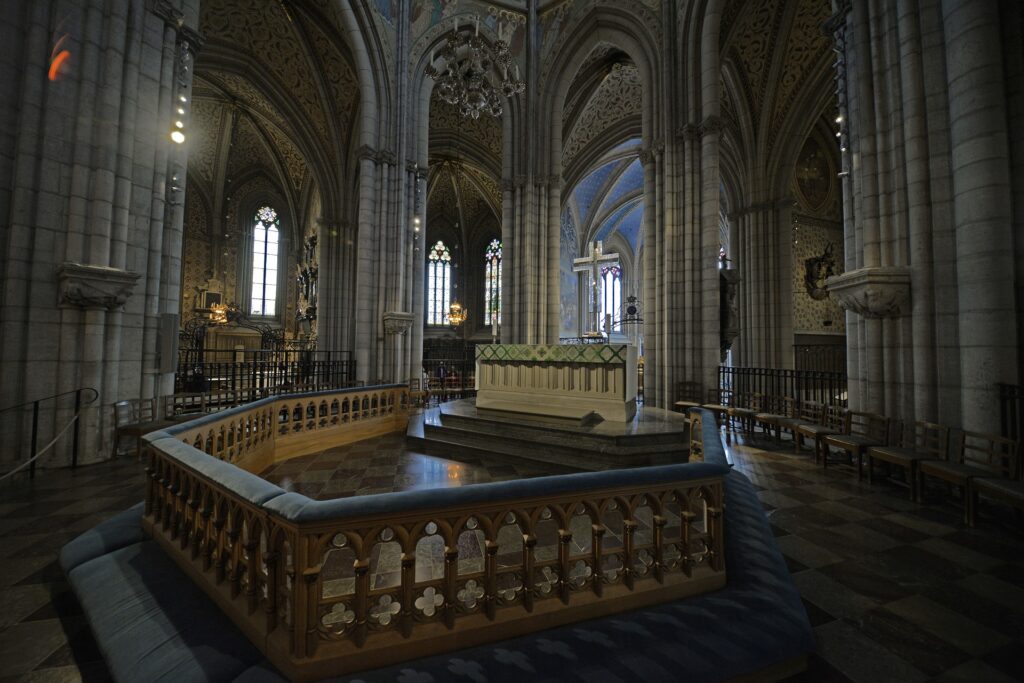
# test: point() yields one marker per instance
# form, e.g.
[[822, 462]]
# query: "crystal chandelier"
[[476, 74], [457, 314]]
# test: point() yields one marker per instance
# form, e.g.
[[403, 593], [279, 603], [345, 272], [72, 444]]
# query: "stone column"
[[982, 208]]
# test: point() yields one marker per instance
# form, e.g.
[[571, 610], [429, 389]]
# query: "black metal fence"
[[803, 385], [1011, 410], [233, 377]]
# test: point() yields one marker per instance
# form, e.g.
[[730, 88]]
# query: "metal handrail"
[[95, 396], [31, 462]]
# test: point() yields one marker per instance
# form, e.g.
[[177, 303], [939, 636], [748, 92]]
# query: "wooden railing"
[[330, 587], [256, 435]]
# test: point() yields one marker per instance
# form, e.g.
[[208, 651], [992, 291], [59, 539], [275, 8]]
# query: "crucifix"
[[591, 265]]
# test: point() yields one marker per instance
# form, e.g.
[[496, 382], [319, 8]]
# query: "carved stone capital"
[[688, 132], [873, 292], [87, 286], [710, 125], [171, 15], [366, 152], [507, 185], [397, 322]]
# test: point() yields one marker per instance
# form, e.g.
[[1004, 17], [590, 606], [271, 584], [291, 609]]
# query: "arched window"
[[492, 281], [611, 295], [439, 266], [265, 239]]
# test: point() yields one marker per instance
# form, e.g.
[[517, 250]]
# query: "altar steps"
[[456, 429]]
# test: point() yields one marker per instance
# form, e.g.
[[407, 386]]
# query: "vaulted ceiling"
[[463, 188], [275, 95]]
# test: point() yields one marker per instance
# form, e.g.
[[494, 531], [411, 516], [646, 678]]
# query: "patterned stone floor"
[[896, 591]]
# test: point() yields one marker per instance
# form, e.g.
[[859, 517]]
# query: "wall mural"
[[568, 296]]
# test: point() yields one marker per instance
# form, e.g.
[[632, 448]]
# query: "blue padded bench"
[[153, 623]]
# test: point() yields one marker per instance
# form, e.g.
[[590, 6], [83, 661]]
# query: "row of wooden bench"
[[980, 464]]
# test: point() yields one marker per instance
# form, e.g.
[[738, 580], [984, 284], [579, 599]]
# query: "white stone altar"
[[558, 380]]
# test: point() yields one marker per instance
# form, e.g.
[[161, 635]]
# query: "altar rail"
[[258, 434], [308, 583]]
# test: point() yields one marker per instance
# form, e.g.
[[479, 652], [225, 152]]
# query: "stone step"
[[449, 440], [575, 438]]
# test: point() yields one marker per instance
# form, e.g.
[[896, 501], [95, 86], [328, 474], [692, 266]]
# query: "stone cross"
[[592, 266]]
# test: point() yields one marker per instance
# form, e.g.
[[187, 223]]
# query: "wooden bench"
[[687, 396], [977, 455], [718, 404], [742, 410], [836, 421], [775, 410], [865, 430], [807, 413], [930, 442]]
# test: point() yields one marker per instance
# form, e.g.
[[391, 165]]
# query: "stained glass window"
[[611, 294], [439, 268], [492, 282], [265, 237]]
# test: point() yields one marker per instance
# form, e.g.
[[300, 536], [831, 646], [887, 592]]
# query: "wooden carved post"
[[628, 532], [306, 620], [596, 541], [273, 581], [490, 577], [529, 544], [451, 570], [362, 602], [659, 550], [564, 545], [686, 518], [408, 579]]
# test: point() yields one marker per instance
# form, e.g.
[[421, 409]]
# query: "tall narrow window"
[[492, 282], [265, 236], [439, 265], [611, 294]]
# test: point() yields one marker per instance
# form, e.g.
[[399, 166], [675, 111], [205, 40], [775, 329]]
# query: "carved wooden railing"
[[330, 587], [256, 435]]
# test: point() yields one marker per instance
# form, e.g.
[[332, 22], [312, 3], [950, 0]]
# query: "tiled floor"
[[384, 465], [896, 591]]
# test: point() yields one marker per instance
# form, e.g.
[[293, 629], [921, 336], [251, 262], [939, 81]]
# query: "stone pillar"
[[93, 244], [982, 208]]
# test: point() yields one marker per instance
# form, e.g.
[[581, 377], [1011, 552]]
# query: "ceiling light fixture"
[[476, 74]]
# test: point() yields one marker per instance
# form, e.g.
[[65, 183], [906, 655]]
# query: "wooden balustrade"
[[256, 435], [331, 596]]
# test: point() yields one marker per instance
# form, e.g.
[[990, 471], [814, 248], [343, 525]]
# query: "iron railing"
[[234, 377], [802, 385]]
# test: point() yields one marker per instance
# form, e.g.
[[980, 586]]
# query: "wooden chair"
[[184, 406], [718, 403], [742, 410], [976, 455], [687, 396], [1007, 488], [417, 395], [836, 421], [807, 413], [775, 410], [930, 442], [136, 418], [866, 430]]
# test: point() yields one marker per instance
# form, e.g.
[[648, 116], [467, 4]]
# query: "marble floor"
[[896, 591]]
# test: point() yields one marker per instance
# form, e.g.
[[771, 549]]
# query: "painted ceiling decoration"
[[771, 48], [617, 99], [609, 199]]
